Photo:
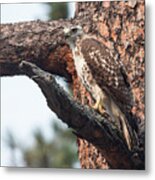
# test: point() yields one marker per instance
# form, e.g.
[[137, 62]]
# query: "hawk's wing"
[[109, 74]]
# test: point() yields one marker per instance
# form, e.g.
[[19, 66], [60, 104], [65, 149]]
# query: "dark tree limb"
[[86, 123], [42, 43], [36, 42]]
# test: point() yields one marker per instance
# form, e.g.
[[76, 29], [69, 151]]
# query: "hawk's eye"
[[74, 30]]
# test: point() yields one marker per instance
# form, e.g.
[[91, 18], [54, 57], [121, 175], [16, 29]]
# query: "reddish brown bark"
[[119, 25], [121, 28]]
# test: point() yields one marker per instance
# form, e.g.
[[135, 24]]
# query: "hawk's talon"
[[113, 98], [94, 106], [99, 107]]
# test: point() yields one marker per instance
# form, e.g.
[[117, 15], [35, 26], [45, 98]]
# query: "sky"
[[11, 13], [23, 107]]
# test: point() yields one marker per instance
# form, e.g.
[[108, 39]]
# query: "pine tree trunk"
[[118, 25]]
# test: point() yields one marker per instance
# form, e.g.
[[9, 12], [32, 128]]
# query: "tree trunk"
[[119, 25]]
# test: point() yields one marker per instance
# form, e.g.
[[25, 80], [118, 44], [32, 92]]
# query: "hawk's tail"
[[129, 128]]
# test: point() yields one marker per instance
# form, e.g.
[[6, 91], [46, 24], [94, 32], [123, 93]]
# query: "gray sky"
[[23, 107]]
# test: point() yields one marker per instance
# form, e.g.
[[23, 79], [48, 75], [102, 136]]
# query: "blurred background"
[[32, 135]]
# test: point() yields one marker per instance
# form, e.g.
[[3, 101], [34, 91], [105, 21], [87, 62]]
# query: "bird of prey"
[[103, 76]]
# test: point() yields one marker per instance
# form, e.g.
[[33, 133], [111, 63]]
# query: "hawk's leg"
[[99, 105]]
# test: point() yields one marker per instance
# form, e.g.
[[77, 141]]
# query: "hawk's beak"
[[67, 36], [66, 33]]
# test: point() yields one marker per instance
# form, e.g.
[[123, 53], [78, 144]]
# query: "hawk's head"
[[72, 33]]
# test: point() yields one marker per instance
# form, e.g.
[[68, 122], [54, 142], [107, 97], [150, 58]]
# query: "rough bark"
[[39, 42], [85, 122], [120, 26]]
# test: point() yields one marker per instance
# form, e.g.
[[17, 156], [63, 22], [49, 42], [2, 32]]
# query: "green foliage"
[[61, 152], [12, 145], [58, 10]]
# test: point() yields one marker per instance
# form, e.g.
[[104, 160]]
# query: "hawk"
[[103, 76]]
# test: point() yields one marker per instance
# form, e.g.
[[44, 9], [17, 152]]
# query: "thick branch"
[[34, 41], [42, 43], [86, 123]]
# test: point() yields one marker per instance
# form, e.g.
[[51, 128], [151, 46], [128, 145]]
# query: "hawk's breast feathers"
[[108, 73], [104, 76]]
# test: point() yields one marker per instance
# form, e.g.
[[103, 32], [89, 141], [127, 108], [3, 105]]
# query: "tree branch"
[[42, 43], [35, 41], [86, 123]]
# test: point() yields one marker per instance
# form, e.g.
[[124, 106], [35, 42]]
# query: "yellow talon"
[[99, 106], [101, 109]]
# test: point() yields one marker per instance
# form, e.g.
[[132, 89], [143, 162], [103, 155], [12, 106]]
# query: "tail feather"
[[129, 132]]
